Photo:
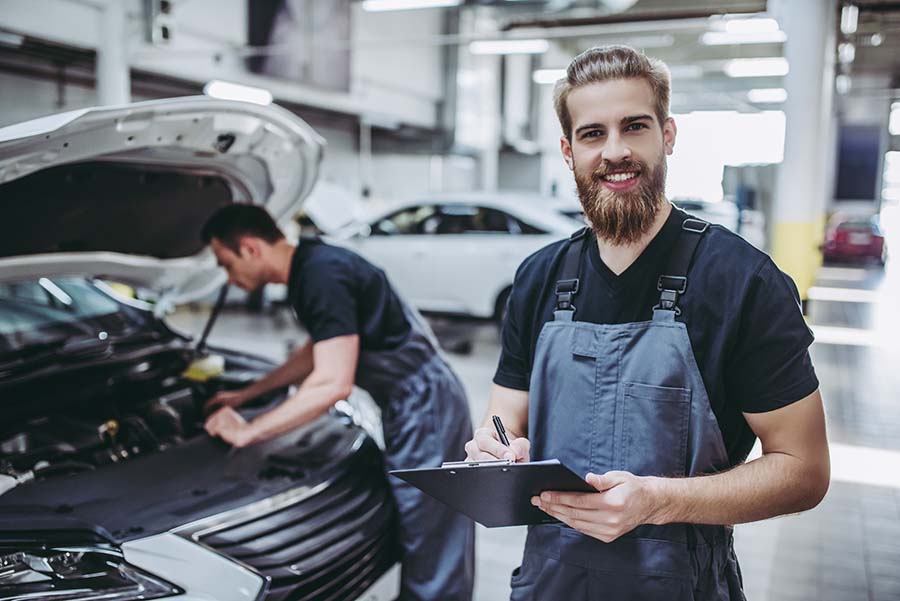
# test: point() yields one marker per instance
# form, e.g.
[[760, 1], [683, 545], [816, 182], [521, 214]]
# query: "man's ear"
[[249, 247], [566, 147], [669, 133]]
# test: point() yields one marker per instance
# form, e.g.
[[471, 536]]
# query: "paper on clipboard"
[[495, 493]]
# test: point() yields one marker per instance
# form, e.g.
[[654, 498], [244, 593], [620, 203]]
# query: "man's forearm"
[[774, 484], [295, 369], [309, 402]]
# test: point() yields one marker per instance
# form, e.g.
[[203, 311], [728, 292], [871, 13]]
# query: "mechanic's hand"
[[227, 424], [623, 502], [226, 398], [485, 446]]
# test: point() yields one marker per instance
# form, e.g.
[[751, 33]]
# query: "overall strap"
[[567, 285], [674, 283]]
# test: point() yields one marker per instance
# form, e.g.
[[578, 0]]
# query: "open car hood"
[[122, 192]]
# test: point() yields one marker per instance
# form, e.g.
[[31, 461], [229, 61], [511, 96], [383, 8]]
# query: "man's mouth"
[[621, 176], [620, 181]]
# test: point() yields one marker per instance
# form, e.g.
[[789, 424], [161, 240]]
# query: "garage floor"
[[848, 548]]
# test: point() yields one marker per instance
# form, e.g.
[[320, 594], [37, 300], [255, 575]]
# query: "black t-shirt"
[[335, 292], [742, 315]]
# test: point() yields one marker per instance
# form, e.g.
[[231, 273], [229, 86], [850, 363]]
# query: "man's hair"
[[605, 63], [229, 223]]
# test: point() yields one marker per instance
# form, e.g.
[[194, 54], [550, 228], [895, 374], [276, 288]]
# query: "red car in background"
[[854, 239]]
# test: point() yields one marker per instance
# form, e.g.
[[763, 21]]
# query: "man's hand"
[[623, 502], [485, 446], [227, 424], [226, 398]]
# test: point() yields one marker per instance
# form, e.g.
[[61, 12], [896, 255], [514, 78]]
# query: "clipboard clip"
[[476, 463]]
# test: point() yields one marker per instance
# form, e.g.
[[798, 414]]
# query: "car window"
[[857, 226], [521, 227], [468, 219], [413, 220]]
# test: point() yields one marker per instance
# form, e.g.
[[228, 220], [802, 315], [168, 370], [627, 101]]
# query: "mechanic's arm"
[[791, 476], [295, 369], [511, 406], [334, 371]]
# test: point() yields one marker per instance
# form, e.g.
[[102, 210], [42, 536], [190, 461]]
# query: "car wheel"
[[500, 308]]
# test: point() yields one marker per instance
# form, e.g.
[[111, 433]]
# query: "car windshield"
[[46, 312]]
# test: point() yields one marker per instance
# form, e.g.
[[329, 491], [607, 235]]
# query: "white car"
[[110, 489], [457, 253]]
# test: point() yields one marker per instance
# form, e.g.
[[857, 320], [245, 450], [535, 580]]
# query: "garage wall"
[[381, 81], [23, 98]]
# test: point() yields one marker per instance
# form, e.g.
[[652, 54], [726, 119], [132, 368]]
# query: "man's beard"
[[621, 218]]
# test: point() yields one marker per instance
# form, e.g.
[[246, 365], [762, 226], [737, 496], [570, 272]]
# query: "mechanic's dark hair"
[[229, 223], [605, 63]]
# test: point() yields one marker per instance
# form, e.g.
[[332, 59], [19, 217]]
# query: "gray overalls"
[[426, 421], [625, 397]]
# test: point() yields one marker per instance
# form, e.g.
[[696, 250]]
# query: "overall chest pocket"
[[653, 429]]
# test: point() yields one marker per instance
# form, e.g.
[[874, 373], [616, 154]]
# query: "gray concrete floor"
[[847, 548]]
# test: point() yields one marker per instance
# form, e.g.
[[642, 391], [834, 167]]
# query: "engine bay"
[[82, 440]]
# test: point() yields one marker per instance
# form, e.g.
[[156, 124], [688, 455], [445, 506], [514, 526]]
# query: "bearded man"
[[649, 352]]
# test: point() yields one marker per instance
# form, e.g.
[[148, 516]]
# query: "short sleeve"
[[514, 369], [770, 366], [326, 302]]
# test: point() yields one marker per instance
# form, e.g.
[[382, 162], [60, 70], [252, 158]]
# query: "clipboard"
[[496, 493]]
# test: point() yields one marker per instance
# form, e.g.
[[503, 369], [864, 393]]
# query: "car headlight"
[[68, 573]]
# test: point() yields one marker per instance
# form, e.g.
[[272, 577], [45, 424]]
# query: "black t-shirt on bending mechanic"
[[742, 316], [335, 292]]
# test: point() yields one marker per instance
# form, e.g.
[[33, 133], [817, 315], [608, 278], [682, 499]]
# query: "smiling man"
[[649, 352]]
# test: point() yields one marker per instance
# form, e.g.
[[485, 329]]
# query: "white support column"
[[804, 178], [113, 71]]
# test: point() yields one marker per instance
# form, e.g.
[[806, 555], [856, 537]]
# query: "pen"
[[501, 431]]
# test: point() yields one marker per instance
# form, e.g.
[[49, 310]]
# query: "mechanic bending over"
[[361, 333], [649, 352]]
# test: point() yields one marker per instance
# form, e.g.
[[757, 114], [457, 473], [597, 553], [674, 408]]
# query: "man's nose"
[[616, 149]]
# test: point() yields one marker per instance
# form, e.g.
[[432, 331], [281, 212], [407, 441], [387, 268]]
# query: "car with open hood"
[[109, 487]]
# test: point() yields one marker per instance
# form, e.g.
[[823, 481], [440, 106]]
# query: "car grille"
[[333, 544]]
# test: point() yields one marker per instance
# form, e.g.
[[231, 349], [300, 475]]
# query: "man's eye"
[[635, 127], [593, 134]]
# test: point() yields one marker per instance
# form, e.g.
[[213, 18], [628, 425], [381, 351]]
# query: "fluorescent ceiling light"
[[547, 76], [746, 26], [767, 95], [233, 91], [843, 83], [382, 5], [876, 39], [685, 71], [849, 19], [509, 47], [663, 40], [846, 53], [723, 38], [894, 123], [757, 67]]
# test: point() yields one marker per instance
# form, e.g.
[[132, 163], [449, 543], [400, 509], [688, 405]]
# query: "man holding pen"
[[649, 353]]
